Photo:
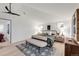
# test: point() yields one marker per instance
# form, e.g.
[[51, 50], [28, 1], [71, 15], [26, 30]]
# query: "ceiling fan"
[[9, 10]]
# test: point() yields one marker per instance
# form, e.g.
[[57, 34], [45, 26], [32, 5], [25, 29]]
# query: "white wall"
[[24, 26], [54, 26]]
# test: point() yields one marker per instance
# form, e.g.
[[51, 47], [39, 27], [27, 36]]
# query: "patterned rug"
[[31, 50]]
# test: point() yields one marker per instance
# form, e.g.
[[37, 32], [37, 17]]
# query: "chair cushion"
[[2, 37]]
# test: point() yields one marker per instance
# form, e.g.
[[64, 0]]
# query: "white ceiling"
[[44, 12]]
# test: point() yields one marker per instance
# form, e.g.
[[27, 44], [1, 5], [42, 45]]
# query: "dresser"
[[71, 48], [75, 25]]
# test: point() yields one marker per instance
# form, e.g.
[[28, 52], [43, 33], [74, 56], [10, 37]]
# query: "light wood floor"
[[8, 49], [12, 50]]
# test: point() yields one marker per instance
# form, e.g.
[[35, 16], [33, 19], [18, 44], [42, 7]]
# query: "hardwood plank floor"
[[12, 50]]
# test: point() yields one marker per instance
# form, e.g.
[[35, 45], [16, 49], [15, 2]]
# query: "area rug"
[[31, 50]]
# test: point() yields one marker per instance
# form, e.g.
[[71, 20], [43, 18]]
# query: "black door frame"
[[10, 28]]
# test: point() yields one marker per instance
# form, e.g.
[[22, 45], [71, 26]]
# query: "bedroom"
[[48, 19]]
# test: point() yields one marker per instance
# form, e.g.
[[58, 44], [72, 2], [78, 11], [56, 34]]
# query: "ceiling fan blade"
[[7, 9], [12, 13], [15, 14], [7, 12]]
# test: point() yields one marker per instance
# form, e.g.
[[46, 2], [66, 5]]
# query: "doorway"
[[5, 31]]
